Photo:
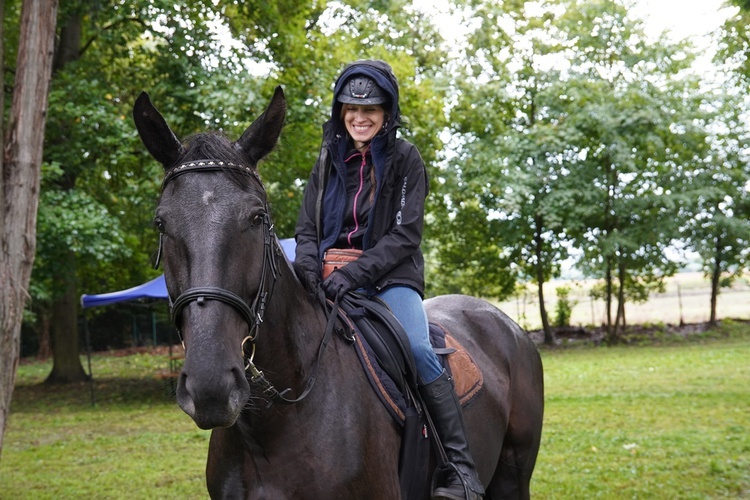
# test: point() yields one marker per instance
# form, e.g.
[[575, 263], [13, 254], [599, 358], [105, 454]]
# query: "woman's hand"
[[310, 278], [337, 285]]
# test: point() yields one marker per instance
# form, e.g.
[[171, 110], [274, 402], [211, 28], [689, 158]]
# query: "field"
[[686, 299], [656, 421]]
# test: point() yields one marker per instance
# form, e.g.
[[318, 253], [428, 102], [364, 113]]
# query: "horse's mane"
[[215, 146]]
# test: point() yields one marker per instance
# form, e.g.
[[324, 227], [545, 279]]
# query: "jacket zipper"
[[356, 196]]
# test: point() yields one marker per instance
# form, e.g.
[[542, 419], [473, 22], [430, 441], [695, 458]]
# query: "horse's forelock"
[[215, 146]]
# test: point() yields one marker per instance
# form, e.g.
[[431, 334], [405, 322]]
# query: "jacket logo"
[[403, 202]]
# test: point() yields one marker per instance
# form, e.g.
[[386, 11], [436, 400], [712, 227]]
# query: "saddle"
[[382, 347]]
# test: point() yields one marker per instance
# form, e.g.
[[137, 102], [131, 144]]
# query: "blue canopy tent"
[[154, 289]]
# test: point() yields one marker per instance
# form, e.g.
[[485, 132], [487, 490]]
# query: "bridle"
[[252, 313]]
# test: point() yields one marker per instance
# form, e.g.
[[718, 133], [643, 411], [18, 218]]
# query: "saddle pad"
[[467, 377]]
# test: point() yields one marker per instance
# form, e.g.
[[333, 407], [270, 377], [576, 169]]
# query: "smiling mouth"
[[361, 128]]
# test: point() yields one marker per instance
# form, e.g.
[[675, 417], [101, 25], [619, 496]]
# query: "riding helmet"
[[361, 90]]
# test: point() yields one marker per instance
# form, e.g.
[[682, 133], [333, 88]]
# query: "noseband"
[[252, 314]]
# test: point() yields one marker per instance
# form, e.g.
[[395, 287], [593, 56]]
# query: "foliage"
[[734, 46], [564, 306], [558, 129], [632, 119], [567, 136], [716, 200]]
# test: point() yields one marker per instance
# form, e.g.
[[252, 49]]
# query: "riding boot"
[[445, 409]]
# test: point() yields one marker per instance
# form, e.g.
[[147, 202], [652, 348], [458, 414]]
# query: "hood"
[[382, 73]]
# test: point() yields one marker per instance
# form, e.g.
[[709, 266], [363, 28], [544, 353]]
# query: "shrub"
[[564, 306]]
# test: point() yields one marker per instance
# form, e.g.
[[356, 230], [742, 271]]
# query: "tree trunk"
[[549, 337], [69, 48], [715, 279], [45, 349], [620, 317], [21, 169], [608, 295], [66, 367]]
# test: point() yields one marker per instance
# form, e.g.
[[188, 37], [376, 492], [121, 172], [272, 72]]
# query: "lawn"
[[647, 422], [655, 421]]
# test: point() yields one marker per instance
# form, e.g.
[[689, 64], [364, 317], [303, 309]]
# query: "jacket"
[[391, 242]]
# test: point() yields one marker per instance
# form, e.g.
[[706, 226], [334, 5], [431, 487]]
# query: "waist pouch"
[[337, 258]]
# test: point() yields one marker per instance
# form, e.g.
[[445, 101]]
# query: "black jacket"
[[394, 229]]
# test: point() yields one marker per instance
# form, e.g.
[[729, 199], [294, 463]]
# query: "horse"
[[249, 327]]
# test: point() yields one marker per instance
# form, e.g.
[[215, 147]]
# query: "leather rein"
[[252, 313]]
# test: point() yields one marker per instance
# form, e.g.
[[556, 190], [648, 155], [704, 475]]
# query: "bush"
[[564, 306]]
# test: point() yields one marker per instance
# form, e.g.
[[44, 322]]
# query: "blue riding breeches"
[[406, 304]]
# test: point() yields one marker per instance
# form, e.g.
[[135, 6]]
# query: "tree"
[[19, 182], [100, 187], [716, 203], [636, 122], [511, 162], [98, 183]]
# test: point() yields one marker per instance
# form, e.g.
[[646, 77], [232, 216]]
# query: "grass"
[[669, 421], [648, 422], [134, 443]]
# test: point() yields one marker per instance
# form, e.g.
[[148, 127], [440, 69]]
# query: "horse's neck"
[[292, 329]]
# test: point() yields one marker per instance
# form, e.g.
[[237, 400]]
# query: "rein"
[[252, 314]]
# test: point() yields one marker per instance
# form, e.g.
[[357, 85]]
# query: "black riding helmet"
[[362, 90]]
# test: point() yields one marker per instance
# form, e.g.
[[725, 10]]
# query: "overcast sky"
[[682, 18]]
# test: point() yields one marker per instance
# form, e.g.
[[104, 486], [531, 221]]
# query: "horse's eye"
[[257, 220], [159, 224]]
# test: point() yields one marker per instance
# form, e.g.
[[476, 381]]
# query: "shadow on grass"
[[104, 392]]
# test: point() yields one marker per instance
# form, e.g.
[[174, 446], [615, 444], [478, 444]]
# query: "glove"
[[310, 278], [337, 285]]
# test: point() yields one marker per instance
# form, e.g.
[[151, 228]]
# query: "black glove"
[[337, 285], [310, 278]]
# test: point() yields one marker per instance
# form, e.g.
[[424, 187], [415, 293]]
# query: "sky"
[[691, 19], [682, 18]]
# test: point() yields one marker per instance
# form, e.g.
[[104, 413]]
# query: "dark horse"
[[244, 315]]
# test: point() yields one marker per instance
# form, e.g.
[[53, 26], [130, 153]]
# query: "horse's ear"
[[260, 138], [155, 133]]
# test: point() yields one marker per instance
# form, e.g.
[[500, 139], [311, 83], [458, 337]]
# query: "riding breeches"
[[407, 306]]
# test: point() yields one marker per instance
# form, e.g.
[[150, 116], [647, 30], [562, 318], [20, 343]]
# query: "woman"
[[366, 196]]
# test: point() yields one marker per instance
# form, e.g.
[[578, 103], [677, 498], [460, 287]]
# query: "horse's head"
[[218, 251]]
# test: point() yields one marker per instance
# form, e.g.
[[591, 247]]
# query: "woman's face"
[[363, 122]]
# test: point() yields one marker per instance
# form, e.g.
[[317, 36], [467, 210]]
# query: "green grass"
[[134, 443], [669, 421], [647, 422]]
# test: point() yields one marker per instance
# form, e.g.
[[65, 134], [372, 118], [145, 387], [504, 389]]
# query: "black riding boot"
[[444, 407]]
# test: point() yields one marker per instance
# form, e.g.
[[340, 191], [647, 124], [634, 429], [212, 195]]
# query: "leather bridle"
[[251, 313]]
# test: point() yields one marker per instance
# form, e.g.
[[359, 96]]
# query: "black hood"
[[382, 74]]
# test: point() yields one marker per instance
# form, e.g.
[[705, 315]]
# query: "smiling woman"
[[363, 123], [366, 196]]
